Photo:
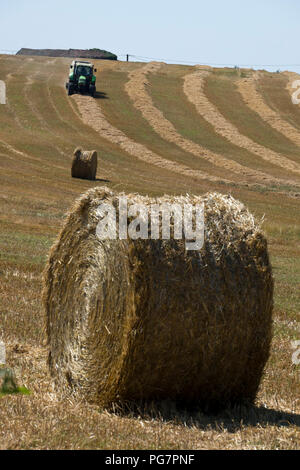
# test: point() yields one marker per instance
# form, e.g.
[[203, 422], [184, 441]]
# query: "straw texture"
[[84, 164], [139, 320]]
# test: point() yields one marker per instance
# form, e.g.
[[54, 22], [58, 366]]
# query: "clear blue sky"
[[203, 31]]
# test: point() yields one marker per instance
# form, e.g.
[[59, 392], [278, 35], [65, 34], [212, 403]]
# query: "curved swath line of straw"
[[136, 89], [248, 89], [93, 116]]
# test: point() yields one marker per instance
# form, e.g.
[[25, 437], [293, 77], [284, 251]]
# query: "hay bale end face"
[[84, 164], [138, 320]]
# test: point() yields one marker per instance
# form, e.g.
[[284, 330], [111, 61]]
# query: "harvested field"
[[249, 89], [39, 129], [120, 112], [92, 115], [136, 88], [194, 89], [278, 93]]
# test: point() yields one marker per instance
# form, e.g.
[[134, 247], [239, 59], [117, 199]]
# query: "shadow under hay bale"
[[84, 164], [131, 320]]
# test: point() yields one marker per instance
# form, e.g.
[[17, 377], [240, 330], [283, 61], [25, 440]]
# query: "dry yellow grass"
[[35, 192], [250, 93], [136, 88], [92, 115], [194, 89]]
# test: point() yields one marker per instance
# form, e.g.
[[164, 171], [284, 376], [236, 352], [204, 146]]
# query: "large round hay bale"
[[133, 320], [84, 164]]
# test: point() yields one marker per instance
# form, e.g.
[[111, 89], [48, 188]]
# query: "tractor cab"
[[83, 69]]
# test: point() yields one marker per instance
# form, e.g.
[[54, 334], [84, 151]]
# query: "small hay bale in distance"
[[139, 320], [84, 164]]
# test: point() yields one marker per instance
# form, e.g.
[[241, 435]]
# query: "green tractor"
[[81, 78]]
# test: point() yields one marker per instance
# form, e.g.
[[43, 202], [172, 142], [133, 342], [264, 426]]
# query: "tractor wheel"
[[70, 89], [92, 91]]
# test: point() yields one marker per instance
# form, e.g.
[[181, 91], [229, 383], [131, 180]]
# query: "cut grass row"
[[121, 113], [272, 88], [223, 93], [167, 93]]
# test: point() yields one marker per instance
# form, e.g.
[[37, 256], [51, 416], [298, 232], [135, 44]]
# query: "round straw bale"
[[138, 320], [84, 164]]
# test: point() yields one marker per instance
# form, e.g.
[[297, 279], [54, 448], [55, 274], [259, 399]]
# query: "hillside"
[[157, 129]]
